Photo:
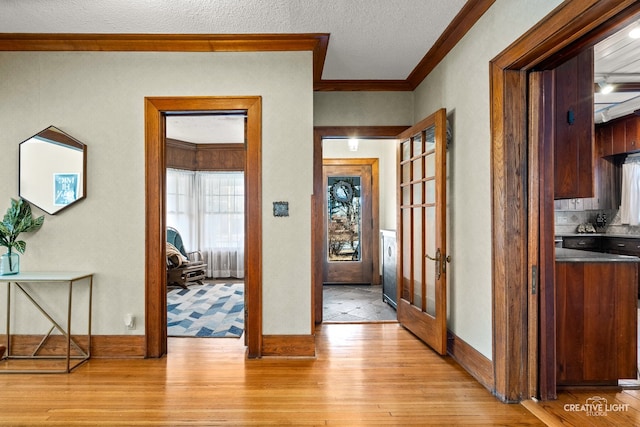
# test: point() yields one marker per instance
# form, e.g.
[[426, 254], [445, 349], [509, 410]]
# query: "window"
[[210, 208], [630, 203]]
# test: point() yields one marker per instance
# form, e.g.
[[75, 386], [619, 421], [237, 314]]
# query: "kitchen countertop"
[[627, 236], [577, 255]]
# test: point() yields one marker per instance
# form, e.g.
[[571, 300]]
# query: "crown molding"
[[457, 29], [317, 43], [314, 42], [163, 42], [361, 85]]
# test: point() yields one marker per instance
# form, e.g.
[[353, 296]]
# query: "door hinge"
[[534, 279]]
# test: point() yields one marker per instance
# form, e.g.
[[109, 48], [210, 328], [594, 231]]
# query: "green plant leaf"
[[20, 246], [18, 219]]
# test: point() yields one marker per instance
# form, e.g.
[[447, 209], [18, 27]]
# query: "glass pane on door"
[[418, 209], [407, 258], [430, 246], [430, 223], [418, 258], [344, 218]]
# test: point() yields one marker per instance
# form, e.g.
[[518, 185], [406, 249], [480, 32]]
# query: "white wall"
[[363, 108], [460, 83], [98, 98]]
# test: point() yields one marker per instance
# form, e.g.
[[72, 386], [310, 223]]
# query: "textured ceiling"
[[369, 39], [617, 59], [207, 129]]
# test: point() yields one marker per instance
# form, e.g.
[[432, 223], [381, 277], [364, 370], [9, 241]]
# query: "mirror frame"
[[54, 136]]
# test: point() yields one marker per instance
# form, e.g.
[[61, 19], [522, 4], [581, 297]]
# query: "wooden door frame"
[[373, 163], [317, 230], [155, 183], [571, 27]]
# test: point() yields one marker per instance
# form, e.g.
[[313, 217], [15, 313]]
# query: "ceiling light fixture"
[[605, 87], [353, 144], [635, 32]]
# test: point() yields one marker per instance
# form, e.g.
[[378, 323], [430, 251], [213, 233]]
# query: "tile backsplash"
[[567, 221]]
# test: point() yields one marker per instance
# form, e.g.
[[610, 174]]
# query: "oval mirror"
[[52, 170]]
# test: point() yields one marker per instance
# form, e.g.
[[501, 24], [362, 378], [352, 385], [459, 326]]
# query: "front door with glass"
[[348, 247]]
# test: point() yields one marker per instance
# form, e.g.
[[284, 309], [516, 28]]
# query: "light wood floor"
[[621, 408], [364, 374]]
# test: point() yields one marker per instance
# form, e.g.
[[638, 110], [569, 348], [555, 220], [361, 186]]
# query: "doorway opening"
[[205, 221], [521, 262], [156, 111], [338, 301], [352, 290]]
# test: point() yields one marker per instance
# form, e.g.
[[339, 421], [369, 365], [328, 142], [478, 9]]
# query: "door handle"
[[441, 267], [444, 264], [437, 259]]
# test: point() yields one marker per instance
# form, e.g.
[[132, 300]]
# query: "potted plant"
[[18, 219]]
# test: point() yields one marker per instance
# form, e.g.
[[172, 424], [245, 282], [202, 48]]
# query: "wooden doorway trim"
[[575, 24], [317, 233], [155, 268]]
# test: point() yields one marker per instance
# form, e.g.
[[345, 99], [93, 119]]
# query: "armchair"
[[183, 268]]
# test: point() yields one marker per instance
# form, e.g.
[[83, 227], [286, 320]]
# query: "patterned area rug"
[[212, 310]]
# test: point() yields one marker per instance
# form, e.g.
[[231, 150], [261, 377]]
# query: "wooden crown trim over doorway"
[[155, 266]]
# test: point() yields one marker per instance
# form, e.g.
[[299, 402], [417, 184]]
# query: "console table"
[[65, 281]]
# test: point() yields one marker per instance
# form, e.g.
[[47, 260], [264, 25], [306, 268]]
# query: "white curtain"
[[218, 218], [221, 211], [630, 204], [181, 205]]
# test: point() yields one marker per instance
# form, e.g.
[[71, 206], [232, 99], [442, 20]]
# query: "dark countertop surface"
[[627, 236], [576, 255]]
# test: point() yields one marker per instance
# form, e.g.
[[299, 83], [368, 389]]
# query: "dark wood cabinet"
[[622, 245], [631, 142], [574, 127], [604, 243], [607, 167], [618, 136], [596, 321], [604, 141], [587, 243]]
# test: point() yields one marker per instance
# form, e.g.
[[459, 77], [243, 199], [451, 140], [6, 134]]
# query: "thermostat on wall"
[[280, 208]]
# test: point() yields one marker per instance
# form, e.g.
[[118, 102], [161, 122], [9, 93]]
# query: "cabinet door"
[[604, 141], [596, 322], [574, 140], [618, 137], [622, 246], [631, 135], [591, 243]]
